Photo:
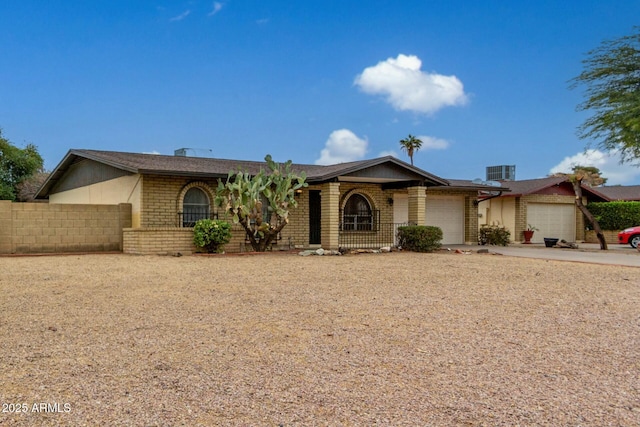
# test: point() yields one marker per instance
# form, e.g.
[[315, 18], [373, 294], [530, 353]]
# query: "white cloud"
[[217, 7], [407, 88], [151, 152], [608, 163], [342, 146], [433, 143], [181, 16]]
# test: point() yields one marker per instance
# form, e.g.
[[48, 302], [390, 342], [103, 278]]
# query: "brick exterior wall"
[[611, 236], [417, 205], [296, 232], [162, 197], [330, 221], [374, 194], [51, 228]]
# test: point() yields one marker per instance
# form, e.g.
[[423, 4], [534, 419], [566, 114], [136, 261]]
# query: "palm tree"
[[410, 144]]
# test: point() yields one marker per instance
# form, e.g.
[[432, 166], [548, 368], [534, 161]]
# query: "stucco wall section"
[[125, 189], [42, 227], [500, 211]]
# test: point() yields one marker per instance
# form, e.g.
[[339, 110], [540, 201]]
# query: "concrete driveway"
[[586, 252]]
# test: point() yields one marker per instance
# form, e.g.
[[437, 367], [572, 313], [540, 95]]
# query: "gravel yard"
[[278, 339]]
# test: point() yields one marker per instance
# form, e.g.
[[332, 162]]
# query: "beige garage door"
[[553, 220], [447, 212]]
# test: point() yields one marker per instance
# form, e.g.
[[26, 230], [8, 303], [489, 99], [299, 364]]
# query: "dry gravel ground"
[[377, 339]]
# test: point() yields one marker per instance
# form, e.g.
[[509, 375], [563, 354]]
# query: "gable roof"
[[383, 169], [532, 186], [621, 192]]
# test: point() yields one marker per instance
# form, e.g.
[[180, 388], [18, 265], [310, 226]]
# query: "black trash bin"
[[549, 242]]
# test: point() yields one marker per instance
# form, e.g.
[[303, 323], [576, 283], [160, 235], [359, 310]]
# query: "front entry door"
[[314, 217]]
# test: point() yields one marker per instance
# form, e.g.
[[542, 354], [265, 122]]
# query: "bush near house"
[[494, 235], [211, 234], [616, 215], [419, 238]]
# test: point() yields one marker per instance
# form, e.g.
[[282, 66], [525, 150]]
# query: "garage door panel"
[[552, 220], [447, 212]]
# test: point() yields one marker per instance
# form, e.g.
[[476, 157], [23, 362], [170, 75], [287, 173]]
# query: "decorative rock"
[[483, 251], [306, 253], [320, 251], [385, 249]]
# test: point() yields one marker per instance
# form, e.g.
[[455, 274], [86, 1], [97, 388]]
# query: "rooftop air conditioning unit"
[[501, 173]]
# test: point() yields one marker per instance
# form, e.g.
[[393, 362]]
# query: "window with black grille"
[[194, 207], [357, 214]]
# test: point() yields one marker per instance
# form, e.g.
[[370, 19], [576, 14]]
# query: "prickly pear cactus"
[[242, 195]]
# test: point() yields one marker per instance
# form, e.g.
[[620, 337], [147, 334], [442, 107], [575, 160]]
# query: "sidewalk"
[[587, 252]]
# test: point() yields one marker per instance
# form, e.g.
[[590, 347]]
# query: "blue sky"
[[482, 83]]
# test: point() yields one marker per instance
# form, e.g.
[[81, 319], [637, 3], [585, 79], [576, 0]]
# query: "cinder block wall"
[[50, 228]]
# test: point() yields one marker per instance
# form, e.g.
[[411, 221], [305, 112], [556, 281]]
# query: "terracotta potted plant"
[[528, 233]]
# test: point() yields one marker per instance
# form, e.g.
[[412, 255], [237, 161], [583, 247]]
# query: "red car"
[[630, 236]]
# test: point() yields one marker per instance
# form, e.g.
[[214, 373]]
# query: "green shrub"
[[494, 235], [616, 215], [211, 234], [419, 238]]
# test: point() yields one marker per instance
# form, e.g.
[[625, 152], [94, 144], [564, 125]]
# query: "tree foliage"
[[410, 145], [27, 189], [16, 166], [243, 196], [591, 176], [611, 78]]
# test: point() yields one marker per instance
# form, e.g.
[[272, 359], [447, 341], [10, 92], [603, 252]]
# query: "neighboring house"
[[349, 204], [548, 204], [629, 193]]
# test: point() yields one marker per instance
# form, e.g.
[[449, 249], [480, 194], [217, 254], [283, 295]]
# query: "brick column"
[[471, 220], [6, 227], [417, 205], [330, 221]]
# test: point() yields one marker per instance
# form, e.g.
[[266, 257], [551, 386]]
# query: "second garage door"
[[447, 212], [553, 220]]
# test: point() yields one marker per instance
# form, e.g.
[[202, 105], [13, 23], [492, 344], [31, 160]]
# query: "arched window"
[[357, 214], [195, 206]]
